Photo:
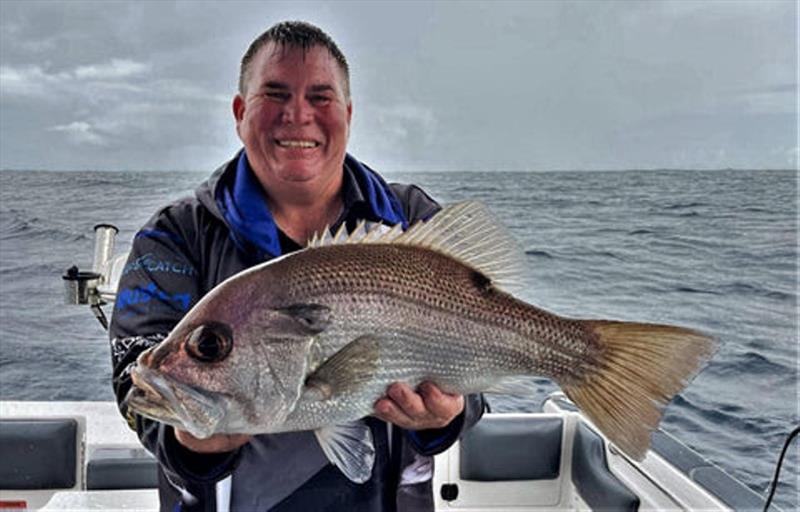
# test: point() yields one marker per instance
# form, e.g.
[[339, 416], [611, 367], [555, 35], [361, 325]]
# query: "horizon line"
[[466, 171]]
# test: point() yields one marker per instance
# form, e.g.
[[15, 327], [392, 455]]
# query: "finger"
[[440, 404], [193, 443], [234, 441], [387, 410], [183, 435], [410, 402]]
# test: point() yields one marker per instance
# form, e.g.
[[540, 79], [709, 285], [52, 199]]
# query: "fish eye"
[[210, 343]]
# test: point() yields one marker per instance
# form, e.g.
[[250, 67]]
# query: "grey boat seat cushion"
[[121, 468], [502, 448], [38, 454], [595, 483]]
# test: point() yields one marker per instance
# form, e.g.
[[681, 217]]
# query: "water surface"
[[715, 251]]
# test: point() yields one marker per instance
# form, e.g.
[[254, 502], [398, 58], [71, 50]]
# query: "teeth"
[[297, 143]]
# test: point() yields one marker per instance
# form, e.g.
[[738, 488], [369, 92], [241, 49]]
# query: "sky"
[[436, 86]]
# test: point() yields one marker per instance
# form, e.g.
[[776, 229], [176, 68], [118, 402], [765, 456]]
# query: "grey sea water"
[[712, 250]]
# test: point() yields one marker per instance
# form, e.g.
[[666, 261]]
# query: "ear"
[[349, 118], [238, 110]]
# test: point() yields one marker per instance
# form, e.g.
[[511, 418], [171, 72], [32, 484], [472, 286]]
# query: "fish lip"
[[140, 402], [156, 396], [154, 387]]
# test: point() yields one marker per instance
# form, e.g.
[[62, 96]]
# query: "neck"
[[300, 215]]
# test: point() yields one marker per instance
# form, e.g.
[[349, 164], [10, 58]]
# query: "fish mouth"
[[188, 408]]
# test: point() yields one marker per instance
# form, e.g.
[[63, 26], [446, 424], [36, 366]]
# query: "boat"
[[83, 456]]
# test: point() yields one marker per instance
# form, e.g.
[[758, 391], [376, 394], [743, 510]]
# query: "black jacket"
[[186, 249]]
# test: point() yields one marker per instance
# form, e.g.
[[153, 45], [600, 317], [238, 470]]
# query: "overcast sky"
[[532, 85]]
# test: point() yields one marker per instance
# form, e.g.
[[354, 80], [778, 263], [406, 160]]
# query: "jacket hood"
[[206, 191]]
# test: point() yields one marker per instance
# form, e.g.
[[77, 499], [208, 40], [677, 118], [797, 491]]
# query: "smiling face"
[[294, 118]]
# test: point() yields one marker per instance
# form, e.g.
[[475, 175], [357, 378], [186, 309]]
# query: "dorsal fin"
[[341, 234], [470, 233], [358, 234], [466, 231]]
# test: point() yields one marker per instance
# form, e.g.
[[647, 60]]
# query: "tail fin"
[[643, 367]]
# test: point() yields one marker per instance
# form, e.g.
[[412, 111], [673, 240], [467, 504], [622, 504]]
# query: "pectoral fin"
[[349, 448], [348, 369]]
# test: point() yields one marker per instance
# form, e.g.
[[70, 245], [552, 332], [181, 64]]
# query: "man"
[[292, 179]]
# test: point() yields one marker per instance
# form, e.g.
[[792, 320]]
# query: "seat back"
[[592, 479], [121, 468], [511, 448], [505, 461], [39, 454]]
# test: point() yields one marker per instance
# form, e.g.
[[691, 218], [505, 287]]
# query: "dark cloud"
[[468, 85]]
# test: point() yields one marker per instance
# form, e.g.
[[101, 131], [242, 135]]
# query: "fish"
[[312, 339]]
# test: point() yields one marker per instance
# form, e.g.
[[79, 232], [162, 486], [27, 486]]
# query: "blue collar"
[[243, 204], [383, 204]]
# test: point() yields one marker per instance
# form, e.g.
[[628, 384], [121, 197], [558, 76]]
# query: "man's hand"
[[218, 443], [427, 408]]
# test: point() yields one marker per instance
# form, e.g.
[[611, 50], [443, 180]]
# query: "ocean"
[[713, 250]]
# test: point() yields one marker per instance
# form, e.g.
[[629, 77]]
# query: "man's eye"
[[277, 95], [320, 100]]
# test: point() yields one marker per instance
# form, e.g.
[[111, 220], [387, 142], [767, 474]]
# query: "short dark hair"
[[294, 34]]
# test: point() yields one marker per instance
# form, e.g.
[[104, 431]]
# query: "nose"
[[297, 111]]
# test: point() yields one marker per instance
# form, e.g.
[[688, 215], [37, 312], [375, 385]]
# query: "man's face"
[[294, 118]]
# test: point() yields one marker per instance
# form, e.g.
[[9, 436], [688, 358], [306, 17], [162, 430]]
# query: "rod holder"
[[80, 287], [104, 237]]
